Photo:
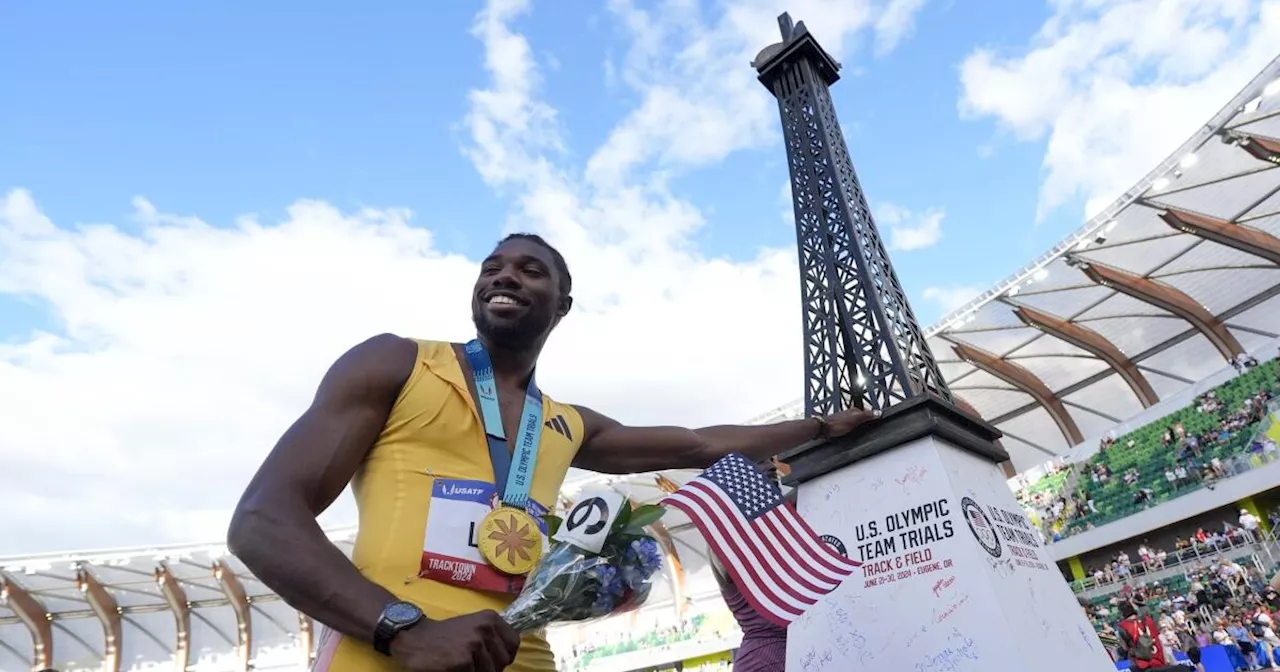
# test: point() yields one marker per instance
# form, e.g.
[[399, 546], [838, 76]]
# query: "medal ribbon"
[[513, 485]]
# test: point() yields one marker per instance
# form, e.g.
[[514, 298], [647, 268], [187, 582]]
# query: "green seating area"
[[651, 640], [1143, 450], [1050, 485]]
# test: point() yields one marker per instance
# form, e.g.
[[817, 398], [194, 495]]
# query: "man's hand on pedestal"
[[839, 424]]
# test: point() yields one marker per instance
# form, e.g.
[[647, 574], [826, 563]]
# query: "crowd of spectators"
[[1219, 602], [1193, 460]]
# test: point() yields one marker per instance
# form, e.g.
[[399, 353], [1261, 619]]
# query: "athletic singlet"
[[434, 442]]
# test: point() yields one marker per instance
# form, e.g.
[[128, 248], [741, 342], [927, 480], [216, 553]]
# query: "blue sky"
[[242, 108]]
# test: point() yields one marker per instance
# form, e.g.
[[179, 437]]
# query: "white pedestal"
[[953, 575]]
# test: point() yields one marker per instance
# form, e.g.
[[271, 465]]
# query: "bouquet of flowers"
[[605, 565]]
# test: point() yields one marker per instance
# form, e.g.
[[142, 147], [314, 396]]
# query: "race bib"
[[450, 552]]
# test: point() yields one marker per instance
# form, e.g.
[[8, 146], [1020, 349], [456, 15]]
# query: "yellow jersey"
[[433, 453]]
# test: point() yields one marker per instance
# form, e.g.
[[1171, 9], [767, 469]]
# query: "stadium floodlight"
[[1272, 88], [1188, 160]]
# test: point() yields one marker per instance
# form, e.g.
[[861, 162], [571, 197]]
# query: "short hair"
[[1127, 609], [562, 268]]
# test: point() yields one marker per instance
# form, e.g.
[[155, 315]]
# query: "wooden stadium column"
[[108, 613], [1092, 342], [306, 639], [1248, 240], [176, 598], [1027, 382], [675, 569], [1259, 147], [660, 532], [234, 590], [1006, 467], [34, 616], [1167, 298]]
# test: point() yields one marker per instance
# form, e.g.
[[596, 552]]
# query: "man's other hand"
[[479, 642]]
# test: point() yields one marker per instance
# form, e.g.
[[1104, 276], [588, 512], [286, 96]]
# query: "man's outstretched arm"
[[613, 448], [274, 530]]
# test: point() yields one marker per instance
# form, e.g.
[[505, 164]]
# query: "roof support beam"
[[176, 598], [34, 616], [104, 606], [306, 639], [1092, 342], [1163, 296], [1260, 148], [239, 599], [1027, 382], [1006, 466], [1243, 238], [674, 568], [1176, 339]]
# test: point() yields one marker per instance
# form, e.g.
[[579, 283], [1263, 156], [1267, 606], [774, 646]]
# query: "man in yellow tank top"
[[436, 439]]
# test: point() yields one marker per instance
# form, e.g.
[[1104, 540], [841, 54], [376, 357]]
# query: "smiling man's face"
[[517, 298]]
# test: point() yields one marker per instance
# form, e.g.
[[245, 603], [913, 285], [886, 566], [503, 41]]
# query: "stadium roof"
[[136, 608]]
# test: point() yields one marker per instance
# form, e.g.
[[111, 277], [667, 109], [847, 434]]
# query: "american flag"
[[776, 560]]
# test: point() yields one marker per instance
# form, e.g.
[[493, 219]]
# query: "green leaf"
[[553, 524], [644, 516], [624, 518]]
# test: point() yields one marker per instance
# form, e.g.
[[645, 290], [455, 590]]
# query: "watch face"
[[401, 613]]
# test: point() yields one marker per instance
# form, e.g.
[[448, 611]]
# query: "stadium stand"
[[1130, 319], [1208, 440], [1221, 433]]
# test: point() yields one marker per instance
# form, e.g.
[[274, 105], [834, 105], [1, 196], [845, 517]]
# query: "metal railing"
[[1242, 543]]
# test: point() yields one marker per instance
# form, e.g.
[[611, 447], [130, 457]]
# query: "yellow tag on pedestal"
[[509, 539]]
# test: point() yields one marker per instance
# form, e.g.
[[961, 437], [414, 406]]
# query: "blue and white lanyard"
[[513, 485]]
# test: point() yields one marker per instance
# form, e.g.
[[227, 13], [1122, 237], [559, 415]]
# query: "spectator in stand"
[[1249, 523], [1141, 640]]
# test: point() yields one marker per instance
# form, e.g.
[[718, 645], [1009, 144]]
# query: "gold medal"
[[509, 539]]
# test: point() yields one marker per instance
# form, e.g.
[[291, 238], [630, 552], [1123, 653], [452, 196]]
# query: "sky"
[[202, 206]]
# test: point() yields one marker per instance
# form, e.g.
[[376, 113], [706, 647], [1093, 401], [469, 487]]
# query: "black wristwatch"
[[396, 616]]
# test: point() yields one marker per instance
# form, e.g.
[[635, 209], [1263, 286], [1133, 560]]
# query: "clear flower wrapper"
[[571, 583]]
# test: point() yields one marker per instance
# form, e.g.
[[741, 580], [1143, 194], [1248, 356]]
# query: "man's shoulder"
[[387, 345], [385, 356]]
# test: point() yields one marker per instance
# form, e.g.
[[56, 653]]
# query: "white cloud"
[[896, 23], [185, 349], [910, 230], [786, 207], [1114, 86], [951, 297], [700, 101]]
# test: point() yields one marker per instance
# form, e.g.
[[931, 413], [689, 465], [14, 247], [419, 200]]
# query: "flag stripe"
[[742, 576], [802, 556], [748, 532], [730, 520], [823, 553]]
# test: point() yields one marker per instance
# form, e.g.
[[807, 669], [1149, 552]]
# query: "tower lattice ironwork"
[[863, 346]]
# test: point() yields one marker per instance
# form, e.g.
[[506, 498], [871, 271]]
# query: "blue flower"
[[603, 604]]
